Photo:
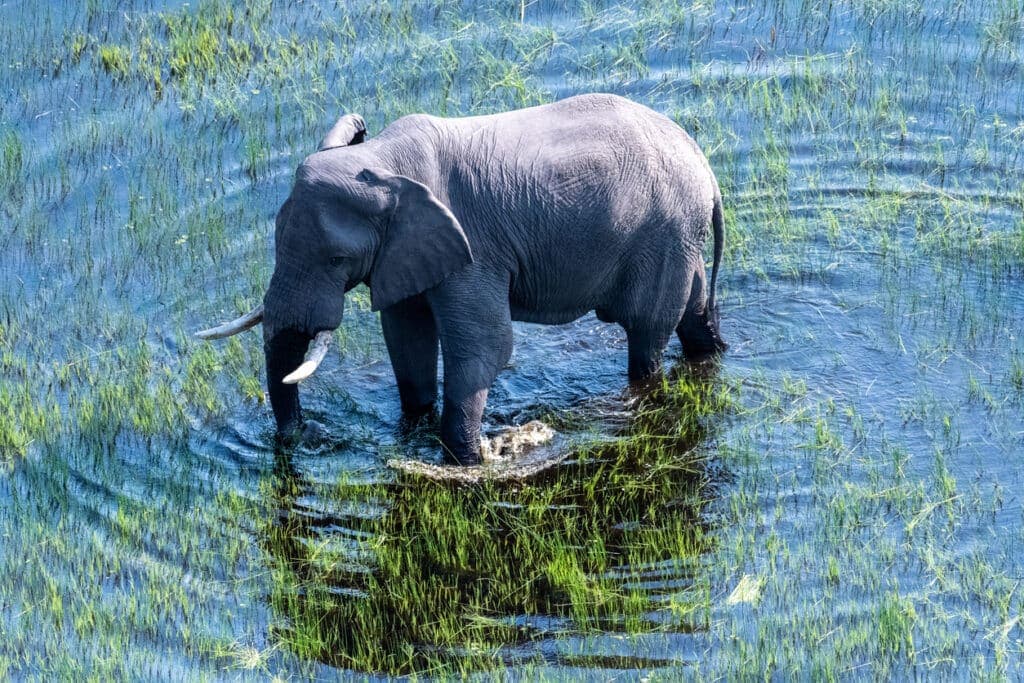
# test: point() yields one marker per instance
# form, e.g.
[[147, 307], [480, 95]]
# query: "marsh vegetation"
[[839, 498]]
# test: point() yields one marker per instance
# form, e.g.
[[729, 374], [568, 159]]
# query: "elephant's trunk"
[[285, 350]]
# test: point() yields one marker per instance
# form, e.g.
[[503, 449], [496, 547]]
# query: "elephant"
[[460, 226]]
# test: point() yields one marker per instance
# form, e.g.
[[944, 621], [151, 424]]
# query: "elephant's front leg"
[[460, 427], [475, 327], [411, 335]]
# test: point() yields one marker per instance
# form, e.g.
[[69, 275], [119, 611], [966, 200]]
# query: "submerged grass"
[[839, 502]]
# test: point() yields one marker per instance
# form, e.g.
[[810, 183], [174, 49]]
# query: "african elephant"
[[460, 226]]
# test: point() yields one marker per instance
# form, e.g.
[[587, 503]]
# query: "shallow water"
[[856, 455]]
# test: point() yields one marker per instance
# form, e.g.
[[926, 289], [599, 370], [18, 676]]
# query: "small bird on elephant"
[[459, 226]]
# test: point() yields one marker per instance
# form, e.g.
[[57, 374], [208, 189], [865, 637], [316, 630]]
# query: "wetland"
[[838, 497]]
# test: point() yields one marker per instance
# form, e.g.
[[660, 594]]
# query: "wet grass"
[[464, 578], [838, 501]]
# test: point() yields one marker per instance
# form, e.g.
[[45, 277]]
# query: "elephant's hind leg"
[[646, 345], [648, 309], [411, 337]]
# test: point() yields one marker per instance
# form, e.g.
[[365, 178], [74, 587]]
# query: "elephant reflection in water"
[[417, 576]]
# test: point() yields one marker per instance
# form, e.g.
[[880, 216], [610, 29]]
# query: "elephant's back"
[[643, 162], [596, 119], [580, 189]]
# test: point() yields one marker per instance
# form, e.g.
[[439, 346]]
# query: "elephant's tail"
[[718, 224]]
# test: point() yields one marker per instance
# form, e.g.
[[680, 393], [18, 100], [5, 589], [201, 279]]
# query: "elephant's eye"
[[337, 261]]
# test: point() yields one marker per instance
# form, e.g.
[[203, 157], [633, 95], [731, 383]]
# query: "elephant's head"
[[347, 221]]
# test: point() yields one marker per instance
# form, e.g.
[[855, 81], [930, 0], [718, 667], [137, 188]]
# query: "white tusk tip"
[[314, 357], [300, 373]]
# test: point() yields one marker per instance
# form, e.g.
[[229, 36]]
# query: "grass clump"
[[12, 164], [896, 618], [116, 60], [201, 43]]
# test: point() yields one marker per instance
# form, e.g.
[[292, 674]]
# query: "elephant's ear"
[[422, 244], [349, 130]]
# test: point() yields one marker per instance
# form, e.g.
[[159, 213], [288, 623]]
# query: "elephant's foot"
[[466, 458], [412, 420], [460, 428], [306, 432], [703, 344], [461, 446], [645, 385], [644, 372], [701, 338]]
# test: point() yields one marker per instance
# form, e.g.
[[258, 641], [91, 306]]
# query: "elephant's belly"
[[561, 292], [547, 317]]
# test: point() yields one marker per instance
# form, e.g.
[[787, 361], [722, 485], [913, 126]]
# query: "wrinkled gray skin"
[[460, 226]]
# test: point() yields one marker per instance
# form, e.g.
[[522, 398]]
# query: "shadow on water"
[[413, 575]]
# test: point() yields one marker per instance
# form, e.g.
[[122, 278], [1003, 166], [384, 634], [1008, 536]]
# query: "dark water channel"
[[837, 498]]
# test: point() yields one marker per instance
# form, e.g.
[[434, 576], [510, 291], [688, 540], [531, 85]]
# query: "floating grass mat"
[[513, 455]]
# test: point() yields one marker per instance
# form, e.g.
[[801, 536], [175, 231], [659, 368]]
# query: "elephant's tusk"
[[315, 356], [250, 319]]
